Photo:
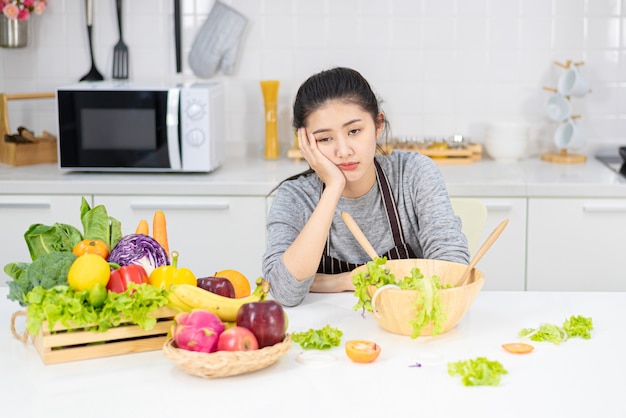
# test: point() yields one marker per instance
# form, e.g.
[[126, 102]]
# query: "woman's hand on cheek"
[[325, 168]]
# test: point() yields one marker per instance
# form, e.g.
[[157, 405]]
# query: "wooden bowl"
[[394, 308]]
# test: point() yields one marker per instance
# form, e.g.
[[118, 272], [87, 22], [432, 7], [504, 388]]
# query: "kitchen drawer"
[[18, 213], [210, 233], [576, 244]]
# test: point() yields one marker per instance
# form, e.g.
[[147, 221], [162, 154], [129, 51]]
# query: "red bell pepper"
[[121, 277]]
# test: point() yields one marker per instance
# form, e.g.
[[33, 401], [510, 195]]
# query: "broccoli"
[[47, 271]]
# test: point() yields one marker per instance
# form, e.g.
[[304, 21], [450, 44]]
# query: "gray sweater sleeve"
[[429, 224], [291, 208]]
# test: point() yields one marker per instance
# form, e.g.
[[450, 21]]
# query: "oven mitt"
[[217, 42]]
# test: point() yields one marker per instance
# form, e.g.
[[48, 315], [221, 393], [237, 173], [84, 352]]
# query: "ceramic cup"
[[569, 135], [573, 83], [558, 107]]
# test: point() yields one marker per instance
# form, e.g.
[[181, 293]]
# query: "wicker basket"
[[225, 363]]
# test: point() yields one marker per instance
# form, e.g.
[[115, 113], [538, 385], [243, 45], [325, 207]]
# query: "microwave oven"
[[125, 126]]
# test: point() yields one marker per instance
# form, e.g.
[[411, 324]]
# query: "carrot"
[[142, 228], [159, 230]]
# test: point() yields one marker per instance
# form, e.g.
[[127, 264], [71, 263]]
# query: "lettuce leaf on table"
[[478, 372], [322, 339], [574, 326]]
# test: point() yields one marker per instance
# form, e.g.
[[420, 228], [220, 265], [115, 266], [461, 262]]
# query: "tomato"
[[237, 339], [518, 348], [91, 246], [87, 271], [361, 351]]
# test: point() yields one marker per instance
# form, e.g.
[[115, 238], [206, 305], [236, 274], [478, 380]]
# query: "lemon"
[[87, 271]]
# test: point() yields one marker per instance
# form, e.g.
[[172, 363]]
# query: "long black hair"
[[342, 84]]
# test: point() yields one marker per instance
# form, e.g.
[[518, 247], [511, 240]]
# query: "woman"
[[399, 200]]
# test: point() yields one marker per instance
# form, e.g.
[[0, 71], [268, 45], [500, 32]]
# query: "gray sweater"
[[430, 226]]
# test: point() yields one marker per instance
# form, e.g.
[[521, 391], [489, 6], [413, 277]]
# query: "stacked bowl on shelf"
[[506, 141]]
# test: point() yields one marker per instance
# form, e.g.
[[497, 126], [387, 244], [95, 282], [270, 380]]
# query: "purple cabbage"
[[139, 249]]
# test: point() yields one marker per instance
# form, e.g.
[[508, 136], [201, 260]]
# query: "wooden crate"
[[473, 152], [63, 344], [43, 150]]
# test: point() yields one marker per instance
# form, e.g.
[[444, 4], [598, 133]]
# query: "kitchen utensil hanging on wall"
[[177, 36], [217, 43], [93, 74], [120, 51]]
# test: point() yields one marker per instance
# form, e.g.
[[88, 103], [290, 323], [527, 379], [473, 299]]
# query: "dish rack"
[[41, 149]]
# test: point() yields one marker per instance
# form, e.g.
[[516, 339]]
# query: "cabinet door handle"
[[596, 208], [181, 205], [25, 205], [499, 207]]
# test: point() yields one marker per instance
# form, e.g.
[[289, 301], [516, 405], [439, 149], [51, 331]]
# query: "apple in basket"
[[265, 319], [237, 339]]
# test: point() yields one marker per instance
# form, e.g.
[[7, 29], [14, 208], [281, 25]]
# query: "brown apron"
[[401, 250]]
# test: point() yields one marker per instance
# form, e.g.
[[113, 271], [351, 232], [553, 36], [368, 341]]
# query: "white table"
[[579, 378]]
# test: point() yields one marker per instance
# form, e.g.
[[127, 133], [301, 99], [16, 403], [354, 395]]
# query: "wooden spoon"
[[359, 235], [481, 251]]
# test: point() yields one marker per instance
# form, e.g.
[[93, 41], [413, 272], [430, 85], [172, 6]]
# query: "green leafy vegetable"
[[47, 271], [321, 339], [43, 239], [20, 285], [97, 224], [545, 332], [574, 326], [375, 275], [64, 305], [428, 305], [477, 372], [578, 326]]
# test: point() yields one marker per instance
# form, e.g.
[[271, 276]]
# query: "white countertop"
[[579, 378], [254, 176]]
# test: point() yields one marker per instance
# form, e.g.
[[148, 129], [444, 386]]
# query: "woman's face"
[[346, 135]]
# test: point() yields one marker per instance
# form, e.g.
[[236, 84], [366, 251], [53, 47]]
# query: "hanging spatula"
[[120, 51]]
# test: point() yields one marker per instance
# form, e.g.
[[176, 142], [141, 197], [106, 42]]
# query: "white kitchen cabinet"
[[210, 233], [19, 212], [504, 265], [576, 244]]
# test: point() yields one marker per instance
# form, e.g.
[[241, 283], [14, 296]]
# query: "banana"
[[224, 307], [175, 303]]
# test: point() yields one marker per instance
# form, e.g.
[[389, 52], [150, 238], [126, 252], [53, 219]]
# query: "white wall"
[[440, 66]]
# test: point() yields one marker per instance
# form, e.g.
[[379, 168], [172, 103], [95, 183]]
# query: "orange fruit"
[[239, 281]]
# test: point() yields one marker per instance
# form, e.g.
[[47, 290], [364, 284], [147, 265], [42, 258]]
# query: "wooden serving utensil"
[[359, 235], [481, 251]]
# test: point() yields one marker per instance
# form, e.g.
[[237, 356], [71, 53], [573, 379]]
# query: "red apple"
[[265, 319], [237, 339], [218, 285]]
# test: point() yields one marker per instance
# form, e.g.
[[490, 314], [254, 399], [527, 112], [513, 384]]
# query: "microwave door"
[[172, 120], [117, 130]]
